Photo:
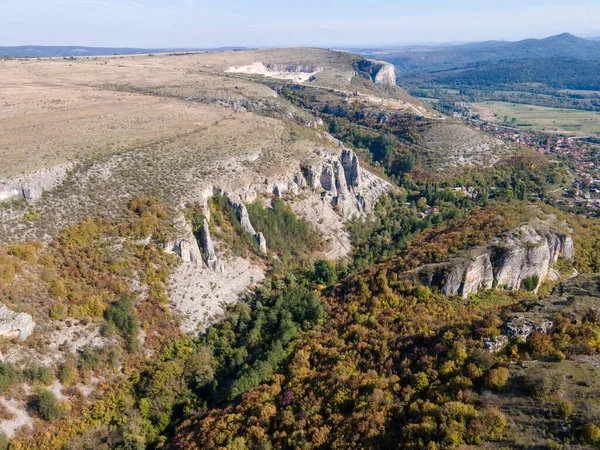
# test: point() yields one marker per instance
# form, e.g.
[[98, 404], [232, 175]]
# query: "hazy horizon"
[[264, 23]]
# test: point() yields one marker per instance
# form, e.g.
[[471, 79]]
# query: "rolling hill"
[[426, 59], [556, 72]]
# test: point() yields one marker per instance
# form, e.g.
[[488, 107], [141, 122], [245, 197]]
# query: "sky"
[[267, 23]]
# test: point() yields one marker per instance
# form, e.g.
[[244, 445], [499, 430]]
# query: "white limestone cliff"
[[15, 325], [210, 256], [508, 260], [31, 186]]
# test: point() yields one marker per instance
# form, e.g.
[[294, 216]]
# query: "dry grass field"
[[53, 111], [58, 110]]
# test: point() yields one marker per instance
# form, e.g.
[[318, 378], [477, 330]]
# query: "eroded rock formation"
[[353, 190], [243, 216], [210, 255], [262, 243], [509, 260]]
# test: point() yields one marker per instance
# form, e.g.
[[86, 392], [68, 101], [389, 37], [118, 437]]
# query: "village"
[[580, 154]]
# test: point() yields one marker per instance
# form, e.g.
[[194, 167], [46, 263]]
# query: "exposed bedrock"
[[262, 243], [523, 254], [31, 186], [15, 325], [186, 247], [341, 179], [210, 255], [335, 177], [243, 216], [378, 72]]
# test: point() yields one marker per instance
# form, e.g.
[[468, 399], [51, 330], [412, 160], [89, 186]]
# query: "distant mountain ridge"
[[42, 51], [427, 59]]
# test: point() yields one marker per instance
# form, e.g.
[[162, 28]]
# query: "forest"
[[321, 354]]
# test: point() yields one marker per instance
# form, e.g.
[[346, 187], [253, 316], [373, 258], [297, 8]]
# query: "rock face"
[[31, 186], [507, 261], [470, 276], [378, 72], [186, 247], [335, 176], [521, 327], [340, 178], [351, 167], [297, 73], [386, 75], [262, 243], [15, 325], [208, 246], [243, 216]]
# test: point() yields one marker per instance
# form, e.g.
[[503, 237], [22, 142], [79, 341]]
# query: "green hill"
[[449, 57]]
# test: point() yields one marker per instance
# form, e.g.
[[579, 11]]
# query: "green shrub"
[[531, 283], [26, 252], [9, 376], [4, 441], [89, 358], [44, 402], [563, 409], [590, 433], [122, 314], [67, 374], [59, 311], [497, 378], [41, 374], [325, 272]]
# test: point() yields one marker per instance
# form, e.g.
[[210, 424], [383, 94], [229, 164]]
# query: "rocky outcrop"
[[208, 247], [496, 344], [526, 253], [386, 75], [567, 246], [469, 276], [328, 179], [186, 246], [378, 72], [298, 73], [351, 189], [520, 327], [31, 186], [351, 167], [292, 68], [262, 243], [243, 216], [334, 175], [15, 325]]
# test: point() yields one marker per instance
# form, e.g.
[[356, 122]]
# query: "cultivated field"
[[540, 118]]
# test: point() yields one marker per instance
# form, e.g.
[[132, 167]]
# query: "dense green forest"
[[558, 73]]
